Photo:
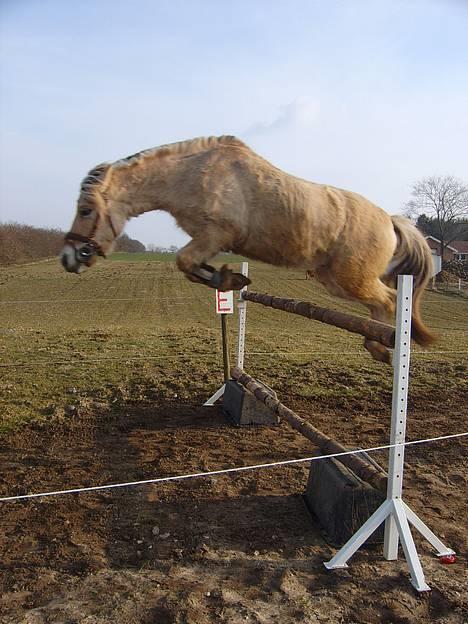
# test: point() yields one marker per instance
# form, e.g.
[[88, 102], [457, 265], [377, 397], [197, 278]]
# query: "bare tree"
[[445, 200]]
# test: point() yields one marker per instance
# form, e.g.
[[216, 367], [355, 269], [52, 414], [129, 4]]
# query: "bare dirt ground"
[[237, 548]]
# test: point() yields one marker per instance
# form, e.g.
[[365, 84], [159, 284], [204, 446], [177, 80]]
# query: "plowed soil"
[[235, 548]]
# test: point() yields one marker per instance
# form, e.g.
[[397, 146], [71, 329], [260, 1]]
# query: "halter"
[[92, 247]]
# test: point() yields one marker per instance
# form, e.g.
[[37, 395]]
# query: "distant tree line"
[[431, 227], [130, 245], [21, 243], [158, 249]]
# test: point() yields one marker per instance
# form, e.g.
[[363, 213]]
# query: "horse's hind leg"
[[381, 302], [373, 293], [377, 350], [192, 259]]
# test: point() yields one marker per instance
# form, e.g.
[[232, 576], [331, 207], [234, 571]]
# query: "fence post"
[[225, 340], [242, 307]]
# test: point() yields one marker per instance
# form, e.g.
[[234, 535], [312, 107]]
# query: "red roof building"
[[457, 250]]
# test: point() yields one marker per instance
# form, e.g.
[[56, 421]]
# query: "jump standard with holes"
[[351, 495]]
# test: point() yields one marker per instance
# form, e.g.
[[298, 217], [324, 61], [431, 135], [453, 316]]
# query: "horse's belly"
[[281, 252]]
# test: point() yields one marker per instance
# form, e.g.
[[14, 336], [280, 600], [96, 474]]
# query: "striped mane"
[[181, 148], [96, 180]]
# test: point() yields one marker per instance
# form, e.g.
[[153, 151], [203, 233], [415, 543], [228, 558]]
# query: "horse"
[[228, 198]]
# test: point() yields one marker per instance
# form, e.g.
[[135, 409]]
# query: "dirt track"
[[238, 548]]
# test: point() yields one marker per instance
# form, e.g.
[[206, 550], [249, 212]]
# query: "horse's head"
[[96, 224]]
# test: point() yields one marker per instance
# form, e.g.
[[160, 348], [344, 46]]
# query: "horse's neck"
[[142, 191]]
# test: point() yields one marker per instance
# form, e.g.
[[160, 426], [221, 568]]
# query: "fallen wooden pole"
[[372, 330], [364, 470]]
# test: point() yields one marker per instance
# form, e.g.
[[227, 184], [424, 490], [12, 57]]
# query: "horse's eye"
[[85, 212]]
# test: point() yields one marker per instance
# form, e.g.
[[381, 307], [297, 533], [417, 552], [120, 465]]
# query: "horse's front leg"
[[192, 259]]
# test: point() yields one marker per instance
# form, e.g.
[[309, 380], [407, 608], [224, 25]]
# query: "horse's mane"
[[98, 178], [185, 148]]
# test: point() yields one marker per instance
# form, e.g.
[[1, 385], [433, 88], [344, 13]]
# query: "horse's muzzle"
[[69, 260]]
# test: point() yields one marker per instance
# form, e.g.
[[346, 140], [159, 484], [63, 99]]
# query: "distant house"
[[449, 251], [457, 250], [462, 250]]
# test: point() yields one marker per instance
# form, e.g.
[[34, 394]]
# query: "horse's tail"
[[413, 257]]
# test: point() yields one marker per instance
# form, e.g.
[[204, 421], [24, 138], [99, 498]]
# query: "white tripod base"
[[396, 514], [217, 395]]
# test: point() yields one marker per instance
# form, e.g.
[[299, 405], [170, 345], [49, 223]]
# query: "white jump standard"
[[393, 511]]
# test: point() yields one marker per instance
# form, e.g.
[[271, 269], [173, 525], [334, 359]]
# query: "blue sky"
[[369, 95]]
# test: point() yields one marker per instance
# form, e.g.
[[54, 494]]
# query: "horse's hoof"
[[224, 279], [386, 357], [240, 281], [231, 281], [378, 351], [204, 274]]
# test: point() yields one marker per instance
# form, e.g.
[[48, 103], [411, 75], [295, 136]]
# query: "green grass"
[[135, 328], [146, 256], [149, 256]]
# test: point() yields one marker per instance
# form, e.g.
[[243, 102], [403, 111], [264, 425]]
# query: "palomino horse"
[[227, 198]]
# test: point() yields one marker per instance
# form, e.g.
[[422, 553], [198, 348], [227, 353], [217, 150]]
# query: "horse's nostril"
[[85, 253]]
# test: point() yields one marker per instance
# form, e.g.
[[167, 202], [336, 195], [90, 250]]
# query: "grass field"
[[135, 324], [149, 256]]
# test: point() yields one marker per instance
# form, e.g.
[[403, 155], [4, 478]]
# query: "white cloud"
[[302, 112]]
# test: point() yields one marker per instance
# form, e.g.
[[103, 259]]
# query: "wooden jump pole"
[[372, 330], [364, 470]]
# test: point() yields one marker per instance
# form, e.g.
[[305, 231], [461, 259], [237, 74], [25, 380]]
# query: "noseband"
[[92, 247]]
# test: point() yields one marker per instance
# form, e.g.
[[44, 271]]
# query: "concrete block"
[[341, 501], [242, 408]]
